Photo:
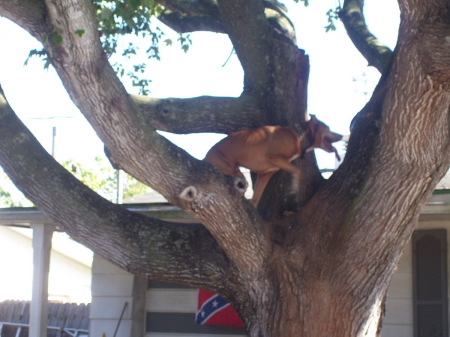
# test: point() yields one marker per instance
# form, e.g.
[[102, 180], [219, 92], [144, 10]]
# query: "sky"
[[340, 80]]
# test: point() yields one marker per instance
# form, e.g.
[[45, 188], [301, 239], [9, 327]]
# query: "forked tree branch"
[[136, 147], [375, 52], [132, 241]]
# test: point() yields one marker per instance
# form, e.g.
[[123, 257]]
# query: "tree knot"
[[189, 193], [240, 184]]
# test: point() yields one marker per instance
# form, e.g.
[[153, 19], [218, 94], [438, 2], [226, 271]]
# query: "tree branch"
[[190, 16], [276, 13], [182, 23], [136, 147], [200, 114], [249, 31], [263, 37], [27, 14], [84, 70], [192, 7], [132, 241], [375, 52]]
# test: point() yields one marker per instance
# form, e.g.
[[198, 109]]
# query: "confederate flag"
[[215, 310]]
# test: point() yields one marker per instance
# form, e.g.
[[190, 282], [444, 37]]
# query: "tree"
[[318, 264]]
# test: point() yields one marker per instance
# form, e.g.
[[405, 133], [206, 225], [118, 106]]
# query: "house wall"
[[69, 278], [16, 265], [169, 309], [398, 320], [112, 291], [171, 313], [69, 281]]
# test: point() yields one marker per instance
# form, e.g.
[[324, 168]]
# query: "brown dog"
[[268, 149]]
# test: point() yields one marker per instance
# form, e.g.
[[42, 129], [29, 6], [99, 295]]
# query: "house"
[[70, 267], [127, 305], [28, 273], [417, 299]]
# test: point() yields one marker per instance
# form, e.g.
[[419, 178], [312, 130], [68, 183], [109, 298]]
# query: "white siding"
[[16, 265], [171, 313], [398, 320], [112, 288], [69, 278], [171, 300]]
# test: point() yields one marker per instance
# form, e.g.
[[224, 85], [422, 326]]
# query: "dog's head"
[[323, 138]]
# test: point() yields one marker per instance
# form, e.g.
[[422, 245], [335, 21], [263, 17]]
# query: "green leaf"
[[57, 39], [333, 15], [80, 32]]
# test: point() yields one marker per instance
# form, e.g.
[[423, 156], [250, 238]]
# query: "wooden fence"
[[64, 319]]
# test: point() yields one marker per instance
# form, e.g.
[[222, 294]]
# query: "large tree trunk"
[[314, 264], [330, 274]]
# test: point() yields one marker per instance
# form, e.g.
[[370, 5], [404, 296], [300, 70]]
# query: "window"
[[430, 283]]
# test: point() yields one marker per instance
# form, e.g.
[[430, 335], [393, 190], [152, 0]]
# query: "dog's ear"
[[313, 121]]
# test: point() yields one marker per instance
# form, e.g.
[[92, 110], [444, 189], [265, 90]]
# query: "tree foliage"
[[101, 178], [9, 195]]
